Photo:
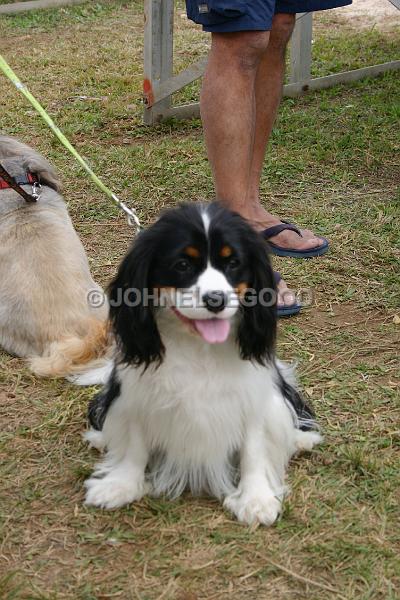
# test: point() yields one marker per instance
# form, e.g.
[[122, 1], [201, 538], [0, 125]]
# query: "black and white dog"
[[196, 398]]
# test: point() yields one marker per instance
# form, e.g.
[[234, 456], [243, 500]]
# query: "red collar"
[[26, 179]]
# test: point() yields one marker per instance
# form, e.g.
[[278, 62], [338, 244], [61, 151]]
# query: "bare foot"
[[286, 239], [286, 296], [261, 219], [290, 239]]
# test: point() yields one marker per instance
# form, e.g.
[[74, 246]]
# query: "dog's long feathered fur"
[[180, 411], [44, 276]]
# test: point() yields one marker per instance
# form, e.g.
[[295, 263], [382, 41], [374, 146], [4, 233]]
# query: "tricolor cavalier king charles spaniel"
[[196, 398]]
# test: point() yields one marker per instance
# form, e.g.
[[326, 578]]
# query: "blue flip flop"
[[292, 252], [289, 310]]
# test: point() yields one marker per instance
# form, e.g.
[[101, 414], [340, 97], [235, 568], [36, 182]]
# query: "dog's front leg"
[[120, 478], [255, 499]]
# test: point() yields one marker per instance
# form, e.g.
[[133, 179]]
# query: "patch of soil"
[[345, 315], [345, 335], [370, 13]]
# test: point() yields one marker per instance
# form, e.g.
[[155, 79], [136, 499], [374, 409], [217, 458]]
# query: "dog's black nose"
[[215, 301]]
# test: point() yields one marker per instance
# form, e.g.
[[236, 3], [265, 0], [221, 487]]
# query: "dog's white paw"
[[113, 492], [253, 508], [95, 439], [306, 440]]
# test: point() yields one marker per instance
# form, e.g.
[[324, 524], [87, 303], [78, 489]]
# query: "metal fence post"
[[300, 50], [158, 54]]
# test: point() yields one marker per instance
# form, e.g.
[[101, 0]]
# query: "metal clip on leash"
[[133, 219], [36, 190]]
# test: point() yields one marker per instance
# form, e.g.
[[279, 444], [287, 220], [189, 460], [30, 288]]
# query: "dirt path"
[[371, 13]]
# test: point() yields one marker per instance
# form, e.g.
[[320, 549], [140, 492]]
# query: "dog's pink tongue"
[[213, 331]]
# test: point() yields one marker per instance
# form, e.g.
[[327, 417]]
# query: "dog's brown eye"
[[183, 265]]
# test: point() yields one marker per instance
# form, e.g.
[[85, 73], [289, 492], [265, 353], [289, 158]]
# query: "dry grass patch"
[[332, 165]]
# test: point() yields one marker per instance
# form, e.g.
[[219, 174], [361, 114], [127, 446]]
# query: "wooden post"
[[300, 50], [158, 54]]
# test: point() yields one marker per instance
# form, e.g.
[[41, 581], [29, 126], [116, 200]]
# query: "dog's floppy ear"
[[132, 307], [257, 328]]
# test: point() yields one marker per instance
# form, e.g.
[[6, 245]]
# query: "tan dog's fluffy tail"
[[74, 354]]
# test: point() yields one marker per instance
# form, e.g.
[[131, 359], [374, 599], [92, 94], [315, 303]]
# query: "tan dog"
[[45, 279]]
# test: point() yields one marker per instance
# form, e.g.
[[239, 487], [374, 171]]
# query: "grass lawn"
[[333, 165]]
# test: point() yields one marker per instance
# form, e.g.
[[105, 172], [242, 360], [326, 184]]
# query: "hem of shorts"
[[338, 4], [232, 27]]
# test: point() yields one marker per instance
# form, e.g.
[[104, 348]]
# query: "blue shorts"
[[249, 15]]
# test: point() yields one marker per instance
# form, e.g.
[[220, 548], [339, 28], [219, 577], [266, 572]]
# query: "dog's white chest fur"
[[193, 419]]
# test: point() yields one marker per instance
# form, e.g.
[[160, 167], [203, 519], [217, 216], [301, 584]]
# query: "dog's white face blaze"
[[206, 220], [190, 302], [212, 327]]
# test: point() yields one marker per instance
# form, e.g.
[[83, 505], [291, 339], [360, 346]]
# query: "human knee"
[[282, 29], [246, 48]]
